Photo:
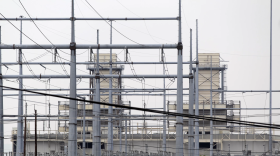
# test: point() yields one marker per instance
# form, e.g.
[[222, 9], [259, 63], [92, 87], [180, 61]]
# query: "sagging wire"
[[172, 80]]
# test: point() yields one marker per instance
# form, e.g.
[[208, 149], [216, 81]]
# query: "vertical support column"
[[179, 119], [20, 102], [131, 135], [1, 104], [24, 146], [58, 122], [91, 82], [72, 139], [110, 111], [36, 152], [164, 109], [96, 150], [84, 127], [222, 87], [191, 102], [120, 132], [126, 135], [211, 114], [270, 85], [196, 97]]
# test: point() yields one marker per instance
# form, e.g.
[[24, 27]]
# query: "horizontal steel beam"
[[244, 91], [88, 63], [99, 94], [89, 46], [88, 76], [54, 116], [244, 108], [92, 19], [211, 68], [107, 89]]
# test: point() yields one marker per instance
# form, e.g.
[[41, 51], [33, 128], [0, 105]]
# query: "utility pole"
[[96, 150], [24, 148], [84, 123], [72, 139], [164, 106], [196, 97], [110, 110], [20, 102], [35, 132], [179, 120], [125, 136], [1, 104], [270, 85], [211, 113], [191, 102]]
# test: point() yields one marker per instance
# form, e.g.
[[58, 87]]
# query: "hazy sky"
[[238, 30]]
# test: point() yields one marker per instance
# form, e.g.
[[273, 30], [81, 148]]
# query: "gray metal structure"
[[110, 110], [179, 121], [96, 151], [96, 107], [72, 139], [20, 102], [211, 115], [270, 84], [1, 104], [196, 137], [191, 102]]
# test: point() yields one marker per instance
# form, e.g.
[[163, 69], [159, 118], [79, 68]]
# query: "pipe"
[[1, 105], [87, 46], [211, 115], [84, 128], [222, 83], [270, 84], [90, 63], [243, 91], [110, 110], [191, 102], [20, 103], [125, 136], [196, 97], [88, 76], [72, 138], [96, 150], [179, 123], [95, 19], [107, 89], [95, 94], [120, 133], [164, 109]]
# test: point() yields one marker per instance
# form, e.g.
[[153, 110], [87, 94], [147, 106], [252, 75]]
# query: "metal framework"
[[95, 90], [72, 140]]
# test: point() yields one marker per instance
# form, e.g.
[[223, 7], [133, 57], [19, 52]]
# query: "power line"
[[43, 35], [111, 25], [254, 124], [36, 44]]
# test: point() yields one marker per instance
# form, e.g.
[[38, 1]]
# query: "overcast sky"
[[238, 30]]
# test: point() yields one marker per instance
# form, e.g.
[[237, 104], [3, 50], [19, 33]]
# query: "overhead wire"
[[255, 124], [110, 24], [140, 17], [62, 66]]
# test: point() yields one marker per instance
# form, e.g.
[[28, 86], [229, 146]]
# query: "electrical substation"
[[110, 117]]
